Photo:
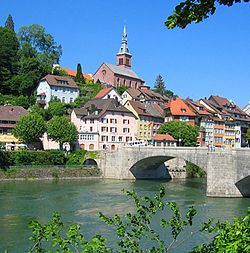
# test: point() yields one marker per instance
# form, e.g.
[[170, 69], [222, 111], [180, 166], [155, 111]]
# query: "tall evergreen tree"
[[159, 85], [79, 76], [8, 58], [10, 23]]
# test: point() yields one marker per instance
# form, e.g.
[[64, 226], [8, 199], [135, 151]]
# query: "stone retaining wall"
[[50, 173]]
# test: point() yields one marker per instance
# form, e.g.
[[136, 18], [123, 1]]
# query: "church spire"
[[124, 56]]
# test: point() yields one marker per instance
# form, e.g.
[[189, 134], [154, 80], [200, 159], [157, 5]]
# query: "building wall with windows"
[[56, 87], [111, 130]]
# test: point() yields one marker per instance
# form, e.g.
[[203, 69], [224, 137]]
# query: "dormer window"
[[183, 110], [96, 112]]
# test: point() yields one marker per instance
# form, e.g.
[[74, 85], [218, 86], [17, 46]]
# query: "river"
[[79, 201]]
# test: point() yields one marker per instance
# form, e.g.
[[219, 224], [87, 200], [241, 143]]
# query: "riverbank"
[[49, 173]]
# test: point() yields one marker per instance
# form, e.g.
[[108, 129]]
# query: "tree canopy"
[[195, 11], [10, 23], [184, 133], [29, 128], [61, 130], [160, 87], [79, 76]]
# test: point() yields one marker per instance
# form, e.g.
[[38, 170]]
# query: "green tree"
[[79, 76], [43, 43], [10, 23], [121, 89], [56, 108], [195, 11], [159, 86], [184, 133], [29, 128], [8, 58], [61, 130]]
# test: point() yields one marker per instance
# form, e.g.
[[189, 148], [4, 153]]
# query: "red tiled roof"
[[71, 72], [103, 92], [177, 106], [163, 137]]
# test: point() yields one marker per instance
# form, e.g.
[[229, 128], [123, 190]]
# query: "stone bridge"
[[228, 171]]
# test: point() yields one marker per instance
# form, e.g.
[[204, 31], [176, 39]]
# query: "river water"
[[79, 201]]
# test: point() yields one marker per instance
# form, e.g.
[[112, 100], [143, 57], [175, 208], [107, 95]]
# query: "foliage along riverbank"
[[48, 173]]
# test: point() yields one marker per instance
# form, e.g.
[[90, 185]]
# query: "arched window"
[[113, 147], [82, 146], [91, 146]]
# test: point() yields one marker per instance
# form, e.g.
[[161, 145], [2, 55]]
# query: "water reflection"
[[79, 201]]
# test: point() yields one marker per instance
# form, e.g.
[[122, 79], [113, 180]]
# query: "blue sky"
[[210, 58]]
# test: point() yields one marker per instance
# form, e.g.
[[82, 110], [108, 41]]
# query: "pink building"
[[104, 124], [120, 74]]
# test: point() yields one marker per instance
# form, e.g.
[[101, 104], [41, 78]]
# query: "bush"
[[76, 157], [30, 157], [5, 159]]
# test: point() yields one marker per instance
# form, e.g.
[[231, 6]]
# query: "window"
[[113, 129], [113, 138], [184, 118], [91, 129], [104, 138], [92, 121], [120, 138], [125, 121], [104, 129], [120, 61], [105, 121], [63, 99], [71, 100], [125, 130], [113, 121], [127, 61]]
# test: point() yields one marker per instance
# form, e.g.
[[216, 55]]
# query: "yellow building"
[[144, 120], [9, 115]]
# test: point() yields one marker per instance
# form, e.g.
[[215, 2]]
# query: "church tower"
[[123, 57]]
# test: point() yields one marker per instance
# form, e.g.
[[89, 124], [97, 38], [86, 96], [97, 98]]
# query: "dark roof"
[[140, 108], [12, 113], [154, 109], [122, 71], [102, 106], [60, 81]]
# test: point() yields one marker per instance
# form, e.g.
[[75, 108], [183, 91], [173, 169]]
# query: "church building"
[[120, 74]]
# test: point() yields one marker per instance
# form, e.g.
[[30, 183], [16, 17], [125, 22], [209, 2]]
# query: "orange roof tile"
[[71, 72], [163, 137], [179, 107], [103, 92]]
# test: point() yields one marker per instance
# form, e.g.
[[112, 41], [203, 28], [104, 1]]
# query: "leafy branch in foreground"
[[139, 232]]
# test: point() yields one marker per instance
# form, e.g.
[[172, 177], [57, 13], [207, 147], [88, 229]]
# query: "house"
[[164, 140], [145, 95], [120, 74], [103, 124], [144, 120], [177, 110], [107, 93], [203, 119], [62, 88], [236, 121], [9, 116]]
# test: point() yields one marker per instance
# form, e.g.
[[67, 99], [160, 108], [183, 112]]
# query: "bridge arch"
[[243, 186], [154, 167]]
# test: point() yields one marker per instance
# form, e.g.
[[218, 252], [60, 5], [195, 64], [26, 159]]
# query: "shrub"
[[76, 157]]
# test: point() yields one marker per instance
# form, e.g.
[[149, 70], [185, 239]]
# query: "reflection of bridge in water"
[[228, 171]]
